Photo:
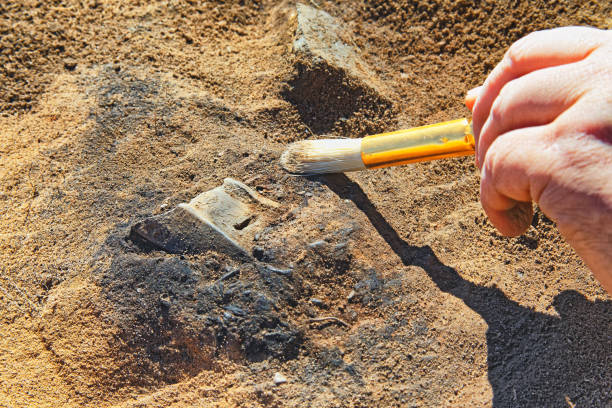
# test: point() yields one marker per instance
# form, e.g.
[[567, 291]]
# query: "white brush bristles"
[[323, 156]]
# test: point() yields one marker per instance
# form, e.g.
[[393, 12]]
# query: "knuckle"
[[494, 157], [519, 50], [555, 129], [598, 65], [499, 107]]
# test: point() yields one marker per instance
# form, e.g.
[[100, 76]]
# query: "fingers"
[[515, 171], [517, 113], [534, 99], [536, 51], [592, 114]]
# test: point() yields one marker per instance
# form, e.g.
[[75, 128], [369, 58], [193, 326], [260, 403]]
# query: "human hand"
[[543, 128]]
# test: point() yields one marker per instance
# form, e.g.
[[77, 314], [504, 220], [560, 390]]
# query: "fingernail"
[[474, 92], [471, 96]]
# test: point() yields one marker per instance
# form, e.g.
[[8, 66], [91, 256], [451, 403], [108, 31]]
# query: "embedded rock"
[[332, 81], [320, 39], [225, 219]]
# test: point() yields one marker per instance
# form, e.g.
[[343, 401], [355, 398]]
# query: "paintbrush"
[[425, 143], [446, 139]]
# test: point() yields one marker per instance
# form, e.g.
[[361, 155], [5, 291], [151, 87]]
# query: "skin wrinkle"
[[521, 52], [509, 101], [518, 210], [500, 108], [505, 147], [561, 159], [515, 63], [586, 229], [576, 153], [537, 188]]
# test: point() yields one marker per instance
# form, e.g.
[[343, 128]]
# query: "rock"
[[279, 271], [317, 302], [320, 37], [279, 379], [229, 274], [317, 244], [332, 80], [235, 310], [224, 219]]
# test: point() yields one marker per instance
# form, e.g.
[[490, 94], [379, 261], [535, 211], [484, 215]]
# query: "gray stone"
[[319, 37], [230, 274], [224, 219], [235, 310], [332, 80], [317, 244], [279, 379], [280, 271], [317, 302]]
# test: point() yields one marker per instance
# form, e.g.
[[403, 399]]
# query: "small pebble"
[[280, 271], [230, 273], [235, 310], [317, 302], [279, 379], [351, 295], [317, 244]]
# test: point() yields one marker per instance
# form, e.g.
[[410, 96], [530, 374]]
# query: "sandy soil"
[[114, 111]]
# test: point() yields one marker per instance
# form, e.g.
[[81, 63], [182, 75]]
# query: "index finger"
[[537, 50]]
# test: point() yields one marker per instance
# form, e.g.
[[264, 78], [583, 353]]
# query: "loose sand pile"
[[113, 112]]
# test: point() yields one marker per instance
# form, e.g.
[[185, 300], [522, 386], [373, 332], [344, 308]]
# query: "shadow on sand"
[[534, 359]]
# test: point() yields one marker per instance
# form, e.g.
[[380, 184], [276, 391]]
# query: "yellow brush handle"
[[446, 139]]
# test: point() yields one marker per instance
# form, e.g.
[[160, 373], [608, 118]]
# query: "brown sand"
[[112, 112]]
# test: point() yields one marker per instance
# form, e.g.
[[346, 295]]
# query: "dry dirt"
[[114, 111]]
